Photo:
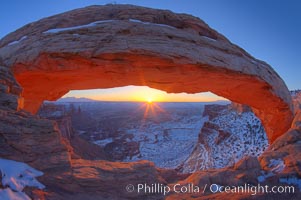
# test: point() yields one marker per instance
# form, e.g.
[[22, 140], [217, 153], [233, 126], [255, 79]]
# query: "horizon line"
[[138, 101]]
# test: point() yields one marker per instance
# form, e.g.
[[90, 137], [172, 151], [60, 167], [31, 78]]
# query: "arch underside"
[[115, 70], [121, 52]]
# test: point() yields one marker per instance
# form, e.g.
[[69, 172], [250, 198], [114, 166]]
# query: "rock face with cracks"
[[119, 45]]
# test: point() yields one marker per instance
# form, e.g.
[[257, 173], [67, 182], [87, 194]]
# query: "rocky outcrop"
[[38, 142], [81, 148], [118, 45], [35, 141], [212, 111], [239, 108], [279, 165], [231, 133], [10, 90], [247, 171]]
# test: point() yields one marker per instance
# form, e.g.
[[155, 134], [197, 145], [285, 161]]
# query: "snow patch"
[[277, 164], [16, 176], [149, 23], [17, 41], [57, 30], [104, 142], [295, 93], [292, 180], [264, 176], [208, 38], [8, 194]]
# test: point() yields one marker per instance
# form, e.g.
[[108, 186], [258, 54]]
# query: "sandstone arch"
[[118, 45]]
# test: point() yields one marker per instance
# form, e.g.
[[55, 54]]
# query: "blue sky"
[[268, 29]]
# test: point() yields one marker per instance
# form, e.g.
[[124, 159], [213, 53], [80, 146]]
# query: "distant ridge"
[[75, 99]]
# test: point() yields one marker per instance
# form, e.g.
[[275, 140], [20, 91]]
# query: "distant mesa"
[[118, 45]]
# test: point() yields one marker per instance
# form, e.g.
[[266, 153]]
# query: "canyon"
[[172, 135], [117, 45]]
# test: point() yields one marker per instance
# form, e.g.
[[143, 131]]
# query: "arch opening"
[[186, 132]]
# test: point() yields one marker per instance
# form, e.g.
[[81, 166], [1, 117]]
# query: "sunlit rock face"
[[118, 45]]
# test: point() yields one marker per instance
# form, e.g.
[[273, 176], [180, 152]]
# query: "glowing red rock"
[[119, 45]]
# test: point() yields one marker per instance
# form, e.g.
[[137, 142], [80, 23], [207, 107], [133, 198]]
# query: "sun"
[[149, 100]]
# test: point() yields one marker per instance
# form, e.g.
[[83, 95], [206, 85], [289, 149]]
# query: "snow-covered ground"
[[238, 135], [169, 143], [169, 134], [164, 133], [15, 177]]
